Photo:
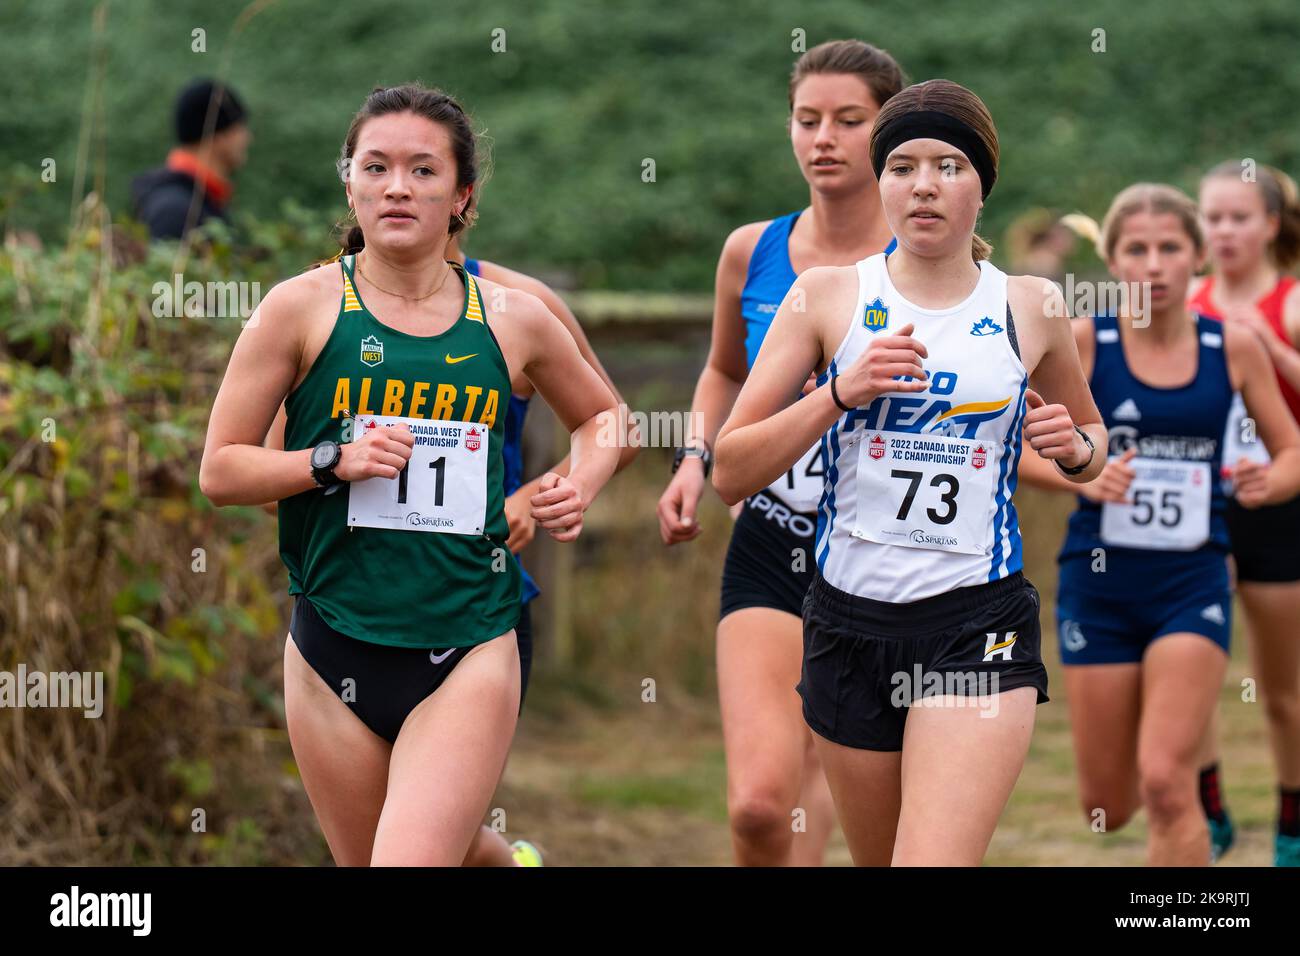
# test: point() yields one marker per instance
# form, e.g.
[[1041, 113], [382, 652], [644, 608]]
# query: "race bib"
[[801, 487], [1170, 509], [926, 491], [1235, 443], [443, 487]]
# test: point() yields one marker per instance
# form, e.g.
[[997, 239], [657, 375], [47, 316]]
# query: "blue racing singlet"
[[1177, 500], [769, 279], [512, 453]]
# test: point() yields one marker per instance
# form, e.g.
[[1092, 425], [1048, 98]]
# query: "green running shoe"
[[1222, 836], [1286, 851], [526, 854]]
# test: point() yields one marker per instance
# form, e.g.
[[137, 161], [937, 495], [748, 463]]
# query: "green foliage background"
[[99, 525], [586, 90]]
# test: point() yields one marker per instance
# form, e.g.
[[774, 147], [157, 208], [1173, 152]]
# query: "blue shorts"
[[1113, 617]]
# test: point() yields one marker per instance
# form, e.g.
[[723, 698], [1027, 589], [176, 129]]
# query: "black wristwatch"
[[693, 451], [324, 458], [1091, 451]]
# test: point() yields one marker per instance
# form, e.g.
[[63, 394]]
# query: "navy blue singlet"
[[512, 452]]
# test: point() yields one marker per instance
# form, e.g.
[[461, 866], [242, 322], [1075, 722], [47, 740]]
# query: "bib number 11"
[[439, 465], [442, 488]]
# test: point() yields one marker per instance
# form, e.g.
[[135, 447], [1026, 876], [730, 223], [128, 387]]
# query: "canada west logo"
[[985, 326], [473, 440], [875, 316], [372, 351]]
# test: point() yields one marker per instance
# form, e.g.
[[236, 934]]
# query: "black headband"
[[931, 124]]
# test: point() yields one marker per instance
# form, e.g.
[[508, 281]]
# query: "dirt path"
[[645, 785]]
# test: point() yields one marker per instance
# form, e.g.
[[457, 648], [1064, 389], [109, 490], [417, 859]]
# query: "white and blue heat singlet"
[[919, 485]]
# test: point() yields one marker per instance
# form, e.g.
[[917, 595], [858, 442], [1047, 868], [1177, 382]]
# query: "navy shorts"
[[1112, 617]]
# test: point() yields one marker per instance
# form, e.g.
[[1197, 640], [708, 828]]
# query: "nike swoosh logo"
[[439, 658], [460, 358]]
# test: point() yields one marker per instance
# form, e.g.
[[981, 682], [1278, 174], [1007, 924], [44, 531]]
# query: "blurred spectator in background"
[[1038, 244], [163, 197]]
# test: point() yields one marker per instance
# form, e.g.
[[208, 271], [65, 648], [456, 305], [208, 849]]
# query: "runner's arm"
[[560, 309], [573, 390], [767, 432], [725, 369], [1034, 468], [1058, 376], [236, 467], [1264, 403]]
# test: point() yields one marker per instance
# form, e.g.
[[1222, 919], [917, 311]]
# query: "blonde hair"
[[1140, 197]]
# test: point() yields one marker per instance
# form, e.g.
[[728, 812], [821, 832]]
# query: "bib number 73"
[[948, 498], [926, 491]]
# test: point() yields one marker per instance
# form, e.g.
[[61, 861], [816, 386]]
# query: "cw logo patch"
[[997, 646], [372, 351], [875, 316]]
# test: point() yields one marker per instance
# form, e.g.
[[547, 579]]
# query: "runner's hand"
[[1050, 432], [1250, 483], [678, 503], [1113, 482], [380, 453], [519, 517], [558, 507], [877, 369]]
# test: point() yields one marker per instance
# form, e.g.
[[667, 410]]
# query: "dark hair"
[[874, 66], [435, 106], [945, 96], [1280, 199], [192, 107]]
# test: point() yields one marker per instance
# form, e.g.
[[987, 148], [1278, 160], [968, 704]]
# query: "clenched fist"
[[558, 507], [1250, 483], [380, 453], [1050, 432], [877, 369]]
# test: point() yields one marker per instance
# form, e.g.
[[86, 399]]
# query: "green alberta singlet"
[[419, 560]]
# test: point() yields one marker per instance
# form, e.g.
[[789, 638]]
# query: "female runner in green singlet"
[[395, 565]]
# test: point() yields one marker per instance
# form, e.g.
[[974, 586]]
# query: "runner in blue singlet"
[[777, 798]]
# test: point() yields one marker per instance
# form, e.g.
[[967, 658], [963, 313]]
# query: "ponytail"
[[1281, 198]]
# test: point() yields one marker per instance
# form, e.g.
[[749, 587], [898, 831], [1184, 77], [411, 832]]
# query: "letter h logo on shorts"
[[998, 648]]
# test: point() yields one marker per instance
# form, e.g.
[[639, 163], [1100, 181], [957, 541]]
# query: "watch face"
[[322, 455]]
